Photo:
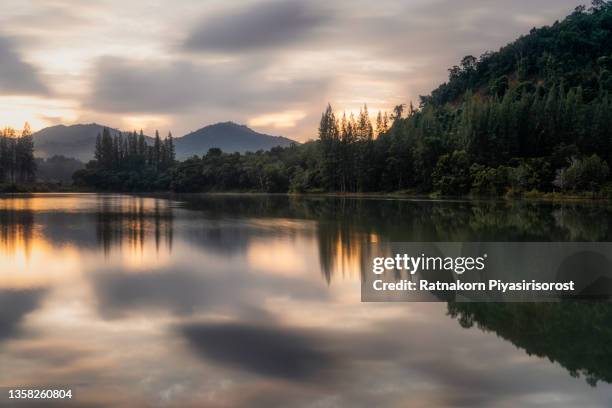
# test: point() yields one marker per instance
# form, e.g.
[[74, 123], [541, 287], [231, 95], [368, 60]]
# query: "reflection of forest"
[[127, 224], [16, 228], [576, 335], [346, 226]]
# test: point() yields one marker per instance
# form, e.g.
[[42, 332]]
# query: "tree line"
[[128, 162], [17, 164]]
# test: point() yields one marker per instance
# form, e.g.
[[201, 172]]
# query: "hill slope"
[[576, 51], [227, 136], [78, 141], [535, 115]]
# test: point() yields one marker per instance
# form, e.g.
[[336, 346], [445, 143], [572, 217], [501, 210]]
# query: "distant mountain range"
[[78, 141]]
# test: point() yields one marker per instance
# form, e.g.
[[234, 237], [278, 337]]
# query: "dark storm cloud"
[[14, 306], [121, 85], [268, 351], [17, 77], [261, 25]]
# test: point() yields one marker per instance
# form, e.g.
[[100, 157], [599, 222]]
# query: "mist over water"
[[222, 301]]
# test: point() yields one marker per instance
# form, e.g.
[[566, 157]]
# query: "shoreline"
[[528, 197]]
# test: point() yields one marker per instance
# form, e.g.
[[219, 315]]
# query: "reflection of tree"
[[341, 249], [128, 223], [585, 222], [345, 226], [576, 335], [16, 226]]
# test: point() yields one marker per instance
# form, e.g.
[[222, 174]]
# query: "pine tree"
[[328, 135], [364, 131], [156, 155], [107, 150], [169, 152], [24, 156], [142, 150], [98, 152]]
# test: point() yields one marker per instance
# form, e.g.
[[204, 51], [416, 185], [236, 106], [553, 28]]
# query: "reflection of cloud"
[[187, 289], [276, 257], [38, 264], [14, 306], [179, 292], [267, 351], [264, 25]]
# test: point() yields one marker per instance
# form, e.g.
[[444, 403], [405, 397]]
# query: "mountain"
[[229, 137], [79, 141]]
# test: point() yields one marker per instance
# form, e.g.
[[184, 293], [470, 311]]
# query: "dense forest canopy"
[[127, 162], [536, 116]]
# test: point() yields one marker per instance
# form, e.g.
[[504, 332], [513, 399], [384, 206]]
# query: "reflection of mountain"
[[576, 335]]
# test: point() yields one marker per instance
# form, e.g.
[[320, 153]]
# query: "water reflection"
[[266, 351], [127, 221], [253, 301], [14, 306], [576, 335], [16, 227]]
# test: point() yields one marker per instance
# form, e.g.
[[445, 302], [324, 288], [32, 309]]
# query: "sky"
[[270, 64]]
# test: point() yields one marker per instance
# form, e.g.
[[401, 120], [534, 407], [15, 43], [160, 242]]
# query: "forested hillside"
[[535, 116]]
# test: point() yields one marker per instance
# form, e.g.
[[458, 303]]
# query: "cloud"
[[259, 26], [255, 61], [122, 85], [17, 77]]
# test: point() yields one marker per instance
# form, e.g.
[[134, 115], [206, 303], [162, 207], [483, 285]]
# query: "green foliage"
[[127, 163], [451, 175], [58, 169], [530, 174], [587, 174], [563, 53], [489, 181]]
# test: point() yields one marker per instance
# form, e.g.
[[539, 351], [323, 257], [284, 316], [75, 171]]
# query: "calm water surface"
[[225, 301]]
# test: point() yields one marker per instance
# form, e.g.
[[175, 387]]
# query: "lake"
[[254, 300]]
